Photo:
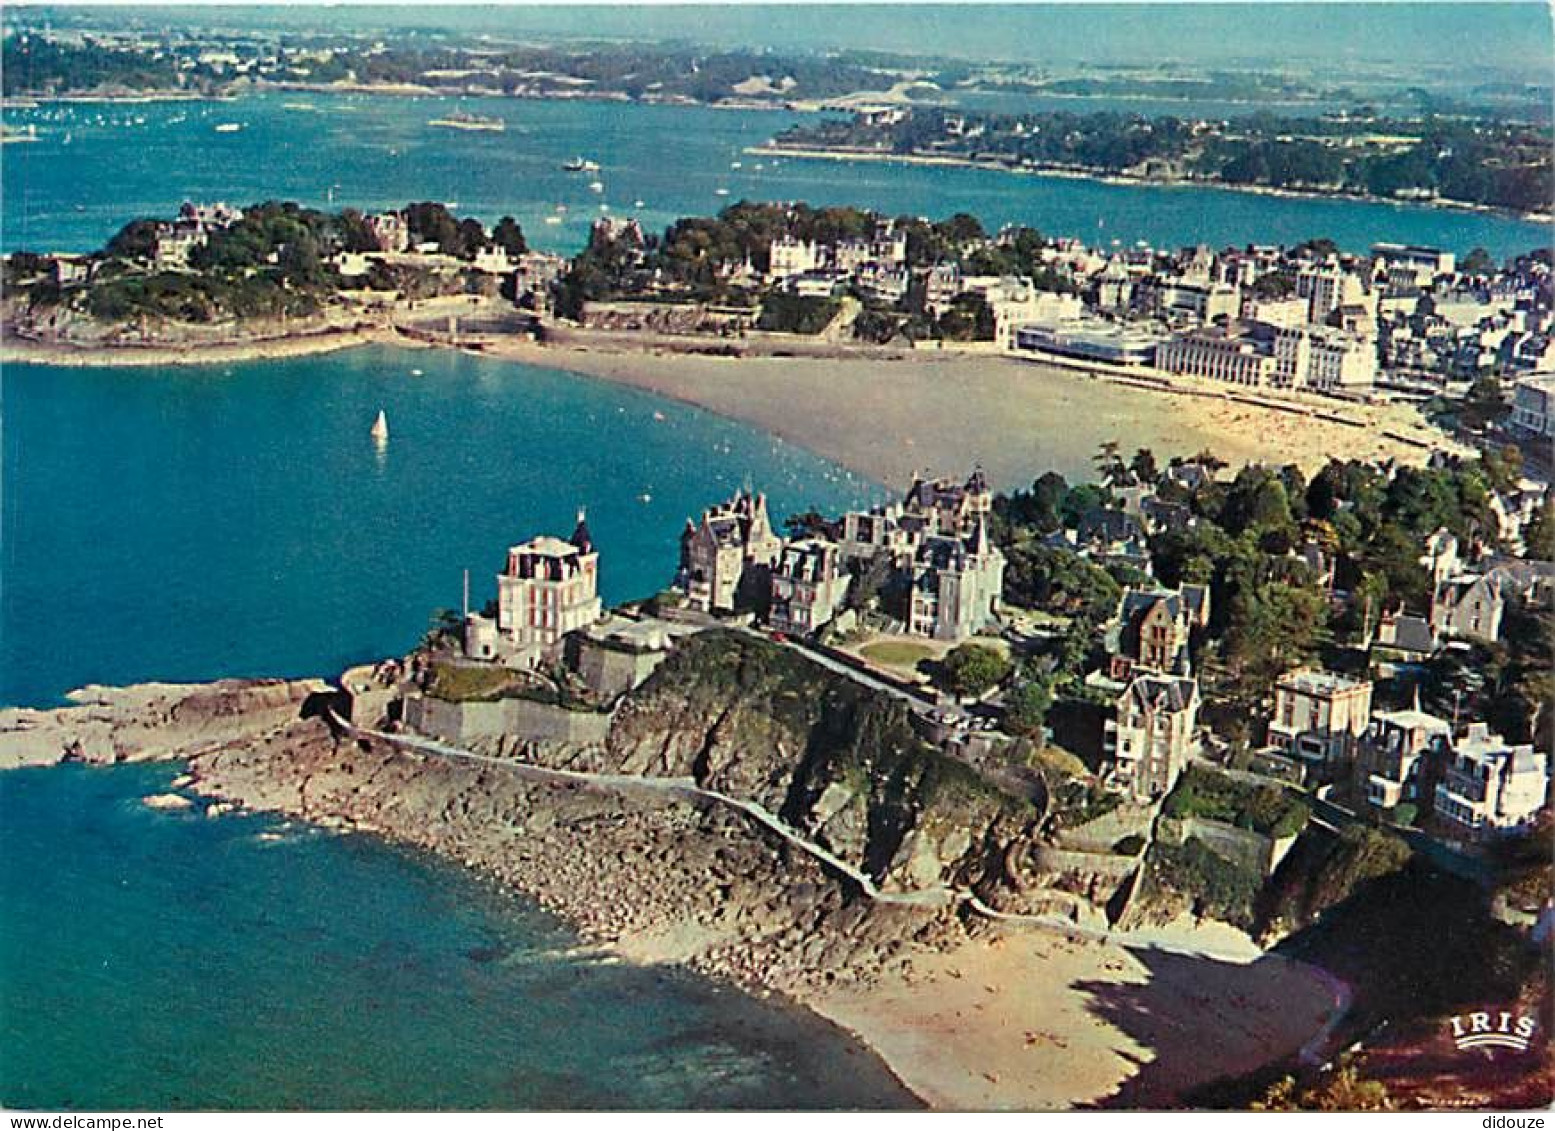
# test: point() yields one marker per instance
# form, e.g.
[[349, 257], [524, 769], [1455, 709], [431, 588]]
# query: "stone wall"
[[1110, 864], [1104, 832], [367, 699], [610, 672], [523, 720], [1244, 847]]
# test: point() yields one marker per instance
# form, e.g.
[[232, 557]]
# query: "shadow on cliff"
[[1203, 1018]]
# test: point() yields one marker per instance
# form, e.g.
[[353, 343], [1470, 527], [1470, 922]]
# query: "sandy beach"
[[1037, 1022], [886, 418], [968, 1015]]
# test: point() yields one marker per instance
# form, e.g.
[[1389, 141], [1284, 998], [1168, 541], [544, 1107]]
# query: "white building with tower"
[[548, 588]]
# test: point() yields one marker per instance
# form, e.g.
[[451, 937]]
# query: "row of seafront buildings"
[[933, 546], [1306, 318]]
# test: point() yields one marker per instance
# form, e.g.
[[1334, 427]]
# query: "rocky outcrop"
[[655, 878], [838, 762], [150, 720]]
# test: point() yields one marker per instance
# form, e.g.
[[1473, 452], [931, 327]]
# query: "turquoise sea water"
[[97, 166], [163, 961], [237, 520]]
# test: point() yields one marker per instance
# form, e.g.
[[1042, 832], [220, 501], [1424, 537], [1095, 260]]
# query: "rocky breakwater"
[[148, 721]]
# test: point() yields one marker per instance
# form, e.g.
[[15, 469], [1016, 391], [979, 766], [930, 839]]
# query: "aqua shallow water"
[[94, 168], [164, 961]]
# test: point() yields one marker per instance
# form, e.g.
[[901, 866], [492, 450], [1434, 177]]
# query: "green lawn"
[[460, 683]]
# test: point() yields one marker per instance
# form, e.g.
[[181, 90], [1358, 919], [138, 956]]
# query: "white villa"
[[548, 589], [1491, 785]]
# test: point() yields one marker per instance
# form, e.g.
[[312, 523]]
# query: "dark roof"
[[1172, 516], [1137, 602], [581, 538], [1104, 524], [1413, 634]]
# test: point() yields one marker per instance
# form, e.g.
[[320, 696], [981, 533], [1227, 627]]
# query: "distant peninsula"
[[1449, 162]]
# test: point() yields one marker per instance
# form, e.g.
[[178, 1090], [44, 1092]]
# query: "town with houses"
[[1181, 665], [910, 598], [929, 576], [1216, 774], [1397, 323]]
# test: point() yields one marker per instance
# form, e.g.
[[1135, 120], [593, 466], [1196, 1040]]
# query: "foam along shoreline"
[[969, 1016], [1060, 172], [889, 414]]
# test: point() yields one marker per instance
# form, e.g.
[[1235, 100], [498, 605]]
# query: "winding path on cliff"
[[1315, 1051], [688, 788]]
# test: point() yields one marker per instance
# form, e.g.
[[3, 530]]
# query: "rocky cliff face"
[[834, 760]]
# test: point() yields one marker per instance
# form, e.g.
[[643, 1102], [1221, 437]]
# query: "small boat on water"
[[380, 429], [581, 165], [721, 192], [596, 186], [553, 219], [228, 127]]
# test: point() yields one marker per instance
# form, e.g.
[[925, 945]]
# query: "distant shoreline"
[[27, 351], [1060, 172]]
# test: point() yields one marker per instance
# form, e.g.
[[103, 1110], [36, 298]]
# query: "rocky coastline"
[[967, 1012]]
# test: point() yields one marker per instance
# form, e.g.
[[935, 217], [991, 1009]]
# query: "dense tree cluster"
[[1251, 540], [1501, 164]]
